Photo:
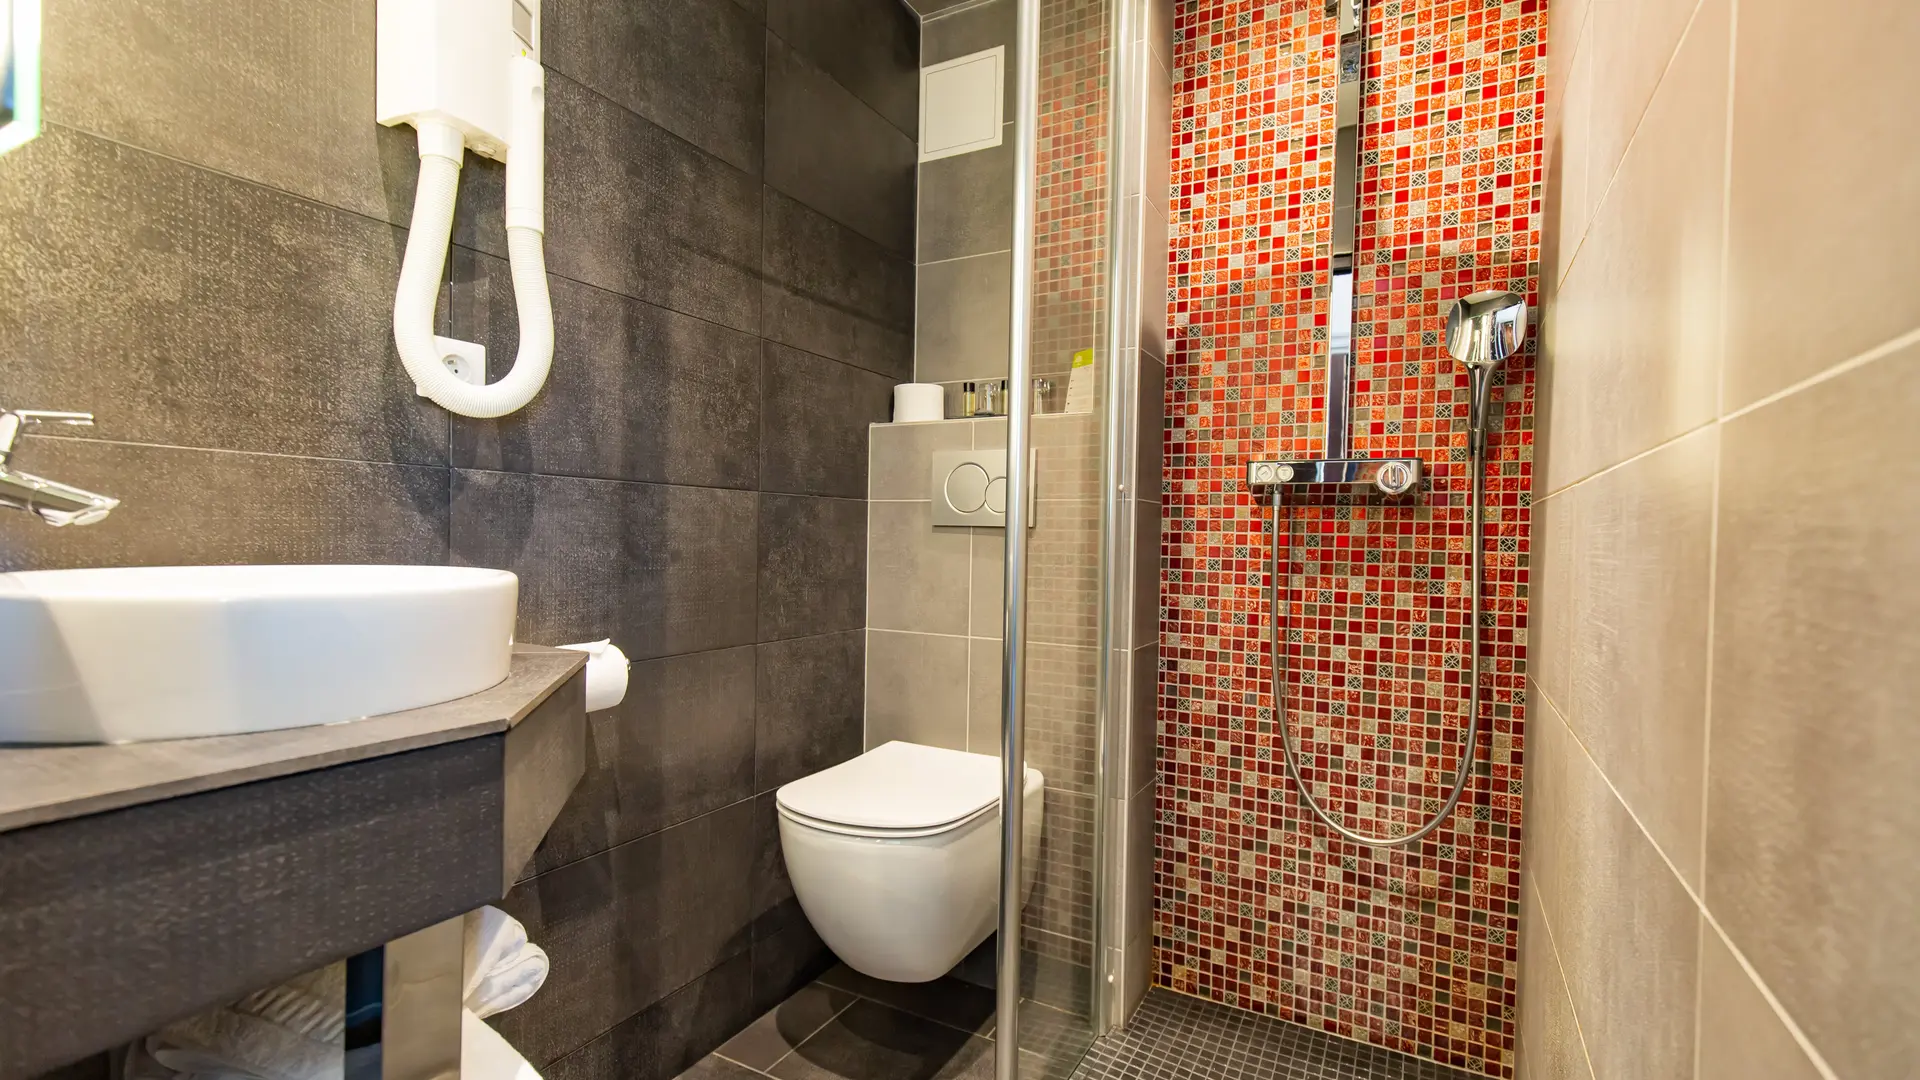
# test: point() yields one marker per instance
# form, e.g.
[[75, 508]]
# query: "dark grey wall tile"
[[636, 392], [932, 7], [814, 414], [680, 745], [662, 570], [785, 961], [281, 94], [634, 209], [627, 927], [695, 67], [813, 565], [189, 308], [662, 1040], [966, 204], [809, 706], [773, 905], [871, 47], [965, 314], [830, 291], [186, 507], [964, 33], [829, 150]]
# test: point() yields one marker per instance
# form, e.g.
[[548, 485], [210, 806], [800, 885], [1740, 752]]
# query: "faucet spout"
[[52, 501]]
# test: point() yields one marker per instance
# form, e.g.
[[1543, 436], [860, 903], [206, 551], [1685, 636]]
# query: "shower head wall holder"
[[1392, 476]]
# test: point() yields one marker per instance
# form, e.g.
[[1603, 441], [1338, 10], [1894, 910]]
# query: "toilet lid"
[[898, 786]]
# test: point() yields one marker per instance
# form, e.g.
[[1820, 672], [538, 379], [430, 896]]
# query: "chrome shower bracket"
[[1391, 476]]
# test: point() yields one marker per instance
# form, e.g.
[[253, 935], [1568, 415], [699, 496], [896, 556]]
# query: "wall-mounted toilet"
[[895, 855]]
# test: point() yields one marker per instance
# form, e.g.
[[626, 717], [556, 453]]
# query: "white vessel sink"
[[130, 655]]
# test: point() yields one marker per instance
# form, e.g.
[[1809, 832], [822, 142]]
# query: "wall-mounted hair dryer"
[[466, 74]]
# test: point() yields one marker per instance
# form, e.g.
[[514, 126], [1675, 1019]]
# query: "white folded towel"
[[502, 968], [294, 1031]]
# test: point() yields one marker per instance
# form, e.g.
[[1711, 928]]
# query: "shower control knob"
[[1263, 474], [1283, 473], [1394, 478]]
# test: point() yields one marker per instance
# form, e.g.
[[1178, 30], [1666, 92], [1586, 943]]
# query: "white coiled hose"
[[425, 262]]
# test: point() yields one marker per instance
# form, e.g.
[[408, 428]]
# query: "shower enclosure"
[[1080, 655]]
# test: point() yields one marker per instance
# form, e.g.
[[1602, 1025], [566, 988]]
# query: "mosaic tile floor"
[[1175, 1037]]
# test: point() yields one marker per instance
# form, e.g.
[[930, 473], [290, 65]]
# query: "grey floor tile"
[[946, 1000], [786, 1026], [870, 1041], [714, 1067]]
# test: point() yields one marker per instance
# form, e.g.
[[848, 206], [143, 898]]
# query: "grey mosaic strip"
[[1174, 1037]]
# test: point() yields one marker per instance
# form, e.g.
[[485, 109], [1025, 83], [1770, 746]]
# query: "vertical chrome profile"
[[1013, 658], [1352, 24]]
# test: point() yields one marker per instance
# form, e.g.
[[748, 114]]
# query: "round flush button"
[[967, 488], [997, 495]]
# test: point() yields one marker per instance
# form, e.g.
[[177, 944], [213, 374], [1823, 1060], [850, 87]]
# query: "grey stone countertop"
[[39, 784]]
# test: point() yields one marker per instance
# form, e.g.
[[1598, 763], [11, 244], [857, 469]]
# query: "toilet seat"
[[897, 790]]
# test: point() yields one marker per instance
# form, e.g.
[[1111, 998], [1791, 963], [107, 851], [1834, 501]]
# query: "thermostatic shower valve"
[[1393, 476]]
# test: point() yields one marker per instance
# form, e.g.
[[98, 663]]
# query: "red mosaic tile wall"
[[1256, 907]]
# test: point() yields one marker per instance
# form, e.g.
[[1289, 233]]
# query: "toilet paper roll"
[[606, 673], [917, 401]]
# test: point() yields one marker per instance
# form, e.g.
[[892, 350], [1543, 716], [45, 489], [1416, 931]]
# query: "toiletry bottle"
[[966, 399]]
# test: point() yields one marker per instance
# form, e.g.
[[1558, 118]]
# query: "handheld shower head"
[[1482, 331]]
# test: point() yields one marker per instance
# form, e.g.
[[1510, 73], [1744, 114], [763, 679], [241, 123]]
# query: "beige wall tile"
[[1549, 1035], [1062, 691], [1637, 341], [917, 574], [1550, 595], [1741, 1037], [1634, 41], [987, 602], [900, 456], [1813, 808], [1143, 750], [1626, 930], [1151, 299], [963, 312], [1572, 144], [1824, 209], [983, 696], [1642, 542], [1063, 573], [916, 689]]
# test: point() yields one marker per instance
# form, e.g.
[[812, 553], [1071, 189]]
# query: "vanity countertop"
[[39, 784]]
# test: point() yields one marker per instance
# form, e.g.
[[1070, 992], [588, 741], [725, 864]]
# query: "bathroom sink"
[[143, 653]]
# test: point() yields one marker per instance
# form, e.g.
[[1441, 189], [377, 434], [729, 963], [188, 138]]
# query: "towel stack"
[[297, 1030]]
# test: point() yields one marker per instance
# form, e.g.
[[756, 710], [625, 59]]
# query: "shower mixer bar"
[[1392, 476]]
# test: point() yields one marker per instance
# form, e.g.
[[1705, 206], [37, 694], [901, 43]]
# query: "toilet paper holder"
[[969, 487]]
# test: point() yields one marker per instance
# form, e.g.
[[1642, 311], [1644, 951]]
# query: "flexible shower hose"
[[1461, 775]]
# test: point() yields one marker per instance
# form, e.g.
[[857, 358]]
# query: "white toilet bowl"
[[895, 855]]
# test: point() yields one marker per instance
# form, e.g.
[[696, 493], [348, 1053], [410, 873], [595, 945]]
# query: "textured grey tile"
[[1146, 573], [634, 209], [1548, 1033], [827, 149], [786, 1026], [661, 570], [1150, 431], [1062, 692], [901, 456], [831, 291], [871, 47], [1790, 148], [629, 926], [925, 8], [694, 67], [1741, 1036], [770, 891], [185, 507], [917, 577], [814, 416], [280, 94], [1151, 298], [870, 1041], [715, 1067], [946, 1000], [809, 697], [1550, 595], [786, 960], [1143, 750], [666, 1037], [1063, 578], [987, 593], [680, 745], [966, 203], [636, 392], [916, 689], [963, 33], [192, 309], [1811, 798], [813, 565], [964, 313]]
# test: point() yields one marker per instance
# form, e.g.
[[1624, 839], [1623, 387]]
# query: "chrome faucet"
[[54, 502]]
